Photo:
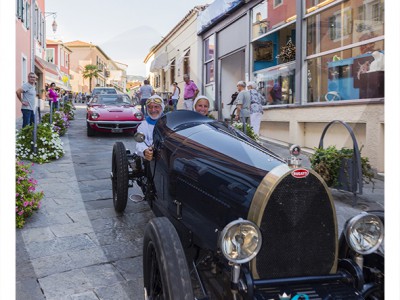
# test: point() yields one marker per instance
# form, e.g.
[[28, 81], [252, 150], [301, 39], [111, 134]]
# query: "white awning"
[[169, 65], [159, 62], [182, 56]]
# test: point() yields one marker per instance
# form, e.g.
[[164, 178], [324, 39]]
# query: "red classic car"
[[112, 113]]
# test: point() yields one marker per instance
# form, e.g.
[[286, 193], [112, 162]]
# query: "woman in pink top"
[[52, 95]]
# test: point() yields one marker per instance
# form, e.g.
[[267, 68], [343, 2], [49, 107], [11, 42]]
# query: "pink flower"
[[26, 203], [16, 194], [21, 212]]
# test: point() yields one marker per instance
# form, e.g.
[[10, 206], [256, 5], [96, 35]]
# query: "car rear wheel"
[[90, 130], [166, 274], [119, 177]]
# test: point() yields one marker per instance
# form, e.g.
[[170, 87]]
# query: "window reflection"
[[345, 24]]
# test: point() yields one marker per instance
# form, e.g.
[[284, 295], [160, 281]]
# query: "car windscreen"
[[114, 100], [104, 91]]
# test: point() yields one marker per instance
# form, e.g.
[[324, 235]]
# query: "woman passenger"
[[201, 104]]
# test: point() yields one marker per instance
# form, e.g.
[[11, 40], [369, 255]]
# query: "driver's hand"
[[148, 154]]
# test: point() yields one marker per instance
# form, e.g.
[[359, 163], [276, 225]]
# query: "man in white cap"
[[155, 108], [242, 103]]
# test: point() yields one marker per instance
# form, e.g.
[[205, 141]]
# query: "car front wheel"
[[90, 130], [119, 176], [166, 274]]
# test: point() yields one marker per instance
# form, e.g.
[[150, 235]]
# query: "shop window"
[[277, 84], [172, 71], [210, 72], [275, 48], [209, 48], [347, 75], [343, 25], [260, 24]]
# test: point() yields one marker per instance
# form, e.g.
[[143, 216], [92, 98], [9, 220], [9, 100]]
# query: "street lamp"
[[54, 24]]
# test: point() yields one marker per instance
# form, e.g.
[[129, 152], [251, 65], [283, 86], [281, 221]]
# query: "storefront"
[[326, 58]]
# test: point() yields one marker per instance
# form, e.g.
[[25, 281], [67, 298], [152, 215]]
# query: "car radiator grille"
[[120, 125], [298, 229], [314, 292]]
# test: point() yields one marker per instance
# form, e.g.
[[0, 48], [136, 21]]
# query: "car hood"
[[111, 111]]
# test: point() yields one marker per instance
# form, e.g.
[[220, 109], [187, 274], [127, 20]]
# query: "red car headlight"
[[95, 115], [138, 115]]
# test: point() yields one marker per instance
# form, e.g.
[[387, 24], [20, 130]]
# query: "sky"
[[124, 29]]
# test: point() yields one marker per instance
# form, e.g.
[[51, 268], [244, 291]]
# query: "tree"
[[90, 72]]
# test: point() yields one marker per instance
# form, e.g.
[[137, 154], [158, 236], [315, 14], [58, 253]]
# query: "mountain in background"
[[135, 78], [131, 47]]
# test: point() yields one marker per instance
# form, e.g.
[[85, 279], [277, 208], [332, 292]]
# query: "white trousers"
[[188, 104], [255, 121]]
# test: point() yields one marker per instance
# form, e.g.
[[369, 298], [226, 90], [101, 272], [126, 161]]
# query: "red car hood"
[[111, 112]]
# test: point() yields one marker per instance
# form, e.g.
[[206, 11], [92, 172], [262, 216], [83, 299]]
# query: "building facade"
[[178, 53], [327, 55], [88, 54], [30, 45], [59, 55]]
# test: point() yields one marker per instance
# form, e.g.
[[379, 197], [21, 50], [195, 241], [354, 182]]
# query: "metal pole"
[[51, 112], [32, 26]]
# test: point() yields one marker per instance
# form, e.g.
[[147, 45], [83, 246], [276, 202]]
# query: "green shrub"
[[48, 144], [249, 130], [327, 162], [59, 120], [27, 199]]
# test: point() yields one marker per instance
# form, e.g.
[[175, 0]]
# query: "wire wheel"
[[120, 177]]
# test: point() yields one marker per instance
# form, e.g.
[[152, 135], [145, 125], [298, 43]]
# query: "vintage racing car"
[[235, 221]]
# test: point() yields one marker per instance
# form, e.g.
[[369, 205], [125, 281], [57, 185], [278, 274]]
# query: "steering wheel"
[[332, 96]]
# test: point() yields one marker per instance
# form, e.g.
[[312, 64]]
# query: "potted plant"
[[336, 167]]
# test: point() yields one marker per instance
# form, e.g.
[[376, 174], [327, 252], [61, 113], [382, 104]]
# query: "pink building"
[[58, 58], [29, 21]]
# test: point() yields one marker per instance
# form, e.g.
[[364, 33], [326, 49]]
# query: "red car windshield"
[[112, 100]]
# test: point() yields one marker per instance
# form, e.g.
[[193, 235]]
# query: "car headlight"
[[364, 233], [95, 115], [240, 241], [138, 115]]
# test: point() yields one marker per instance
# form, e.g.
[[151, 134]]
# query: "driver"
[[155, 108]]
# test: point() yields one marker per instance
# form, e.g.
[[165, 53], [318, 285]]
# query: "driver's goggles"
[[158, 101]]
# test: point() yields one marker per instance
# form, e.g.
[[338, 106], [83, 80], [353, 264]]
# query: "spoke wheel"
[[166, 274], [120, 177]]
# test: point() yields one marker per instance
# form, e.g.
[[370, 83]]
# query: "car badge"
[[284, 296], [300, 173]]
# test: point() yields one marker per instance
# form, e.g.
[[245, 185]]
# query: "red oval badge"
[[300, 173]]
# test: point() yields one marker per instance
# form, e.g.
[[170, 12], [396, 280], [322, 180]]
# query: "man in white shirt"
[[27, 95]]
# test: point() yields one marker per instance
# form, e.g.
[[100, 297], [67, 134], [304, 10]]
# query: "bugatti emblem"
[[300, 173]]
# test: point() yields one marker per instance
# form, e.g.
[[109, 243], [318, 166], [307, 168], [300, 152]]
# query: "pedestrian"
[[175, 94], [276, 91], [155, 108], [27, 95], [201, 105], [256, 109], [145, 92], [242, 104], [52, 96], [190, 92]]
